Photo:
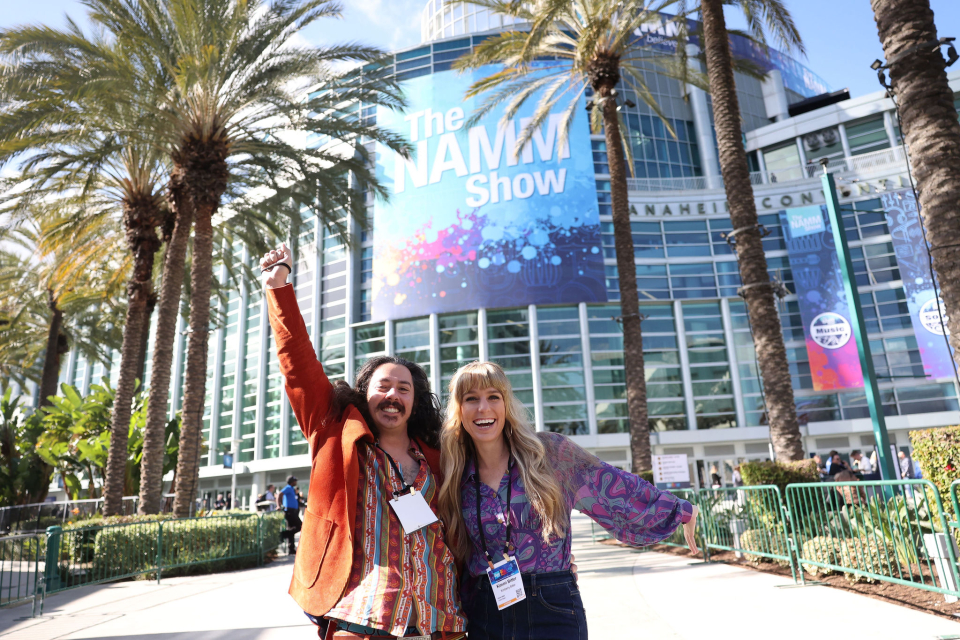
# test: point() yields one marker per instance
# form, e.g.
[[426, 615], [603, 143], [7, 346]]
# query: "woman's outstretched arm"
[[308, 388], [632, 509]]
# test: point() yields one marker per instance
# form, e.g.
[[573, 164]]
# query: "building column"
[[389, 338], [732, 359], [435, 377], [317, 282], [351, 303], [216, 390], [775, 101], [240, 370], [845, 143], [263, 368], [685, 366], [888, 125], [483, 347], [803, 157], [176, 380], [72, 357], [535, 366], [588, 368], [764, 178], [703, 123]]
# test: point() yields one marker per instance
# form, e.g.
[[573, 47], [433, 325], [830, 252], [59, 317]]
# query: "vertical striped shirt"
[[397, 578]]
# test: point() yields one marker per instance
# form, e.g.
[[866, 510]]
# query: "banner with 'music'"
[[834, 360], [919, 285]]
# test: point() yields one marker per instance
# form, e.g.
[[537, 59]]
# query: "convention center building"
[[481, 254]]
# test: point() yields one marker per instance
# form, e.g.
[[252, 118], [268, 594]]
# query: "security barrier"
[[32, 566], [20, 569], [890, 530], [746, 520]]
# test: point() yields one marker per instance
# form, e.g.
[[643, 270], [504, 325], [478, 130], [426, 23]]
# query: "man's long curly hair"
[[426, 417]]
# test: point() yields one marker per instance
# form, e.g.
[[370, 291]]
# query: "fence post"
[[159, 551], [51, 570]]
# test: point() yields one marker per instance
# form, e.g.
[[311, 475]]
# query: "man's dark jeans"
[[294, 525], [552, 610]]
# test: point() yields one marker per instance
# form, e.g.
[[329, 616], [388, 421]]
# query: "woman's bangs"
[[480, 377]]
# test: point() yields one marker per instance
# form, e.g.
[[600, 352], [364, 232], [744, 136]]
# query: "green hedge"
[[779, 473], [100, 549], [938, 453]]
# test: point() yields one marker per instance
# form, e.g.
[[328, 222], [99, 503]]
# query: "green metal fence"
[[746, 520], [20, 569], [890, 530], [34, 565]]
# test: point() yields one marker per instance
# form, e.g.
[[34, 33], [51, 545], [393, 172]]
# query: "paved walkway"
[[627, 595]]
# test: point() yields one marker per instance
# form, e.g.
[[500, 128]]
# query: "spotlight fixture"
[[589, 106], [631, 104], [877, 65]]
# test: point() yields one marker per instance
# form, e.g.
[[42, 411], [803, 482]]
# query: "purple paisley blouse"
[[631, 509]]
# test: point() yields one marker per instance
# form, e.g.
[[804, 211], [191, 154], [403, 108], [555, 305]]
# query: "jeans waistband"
[[533, 580]]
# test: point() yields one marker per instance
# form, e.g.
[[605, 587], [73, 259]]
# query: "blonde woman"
[[506, 501]]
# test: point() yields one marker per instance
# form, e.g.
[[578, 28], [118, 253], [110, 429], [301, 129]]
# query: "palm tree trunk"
[[629, 300], [145, 243], [195, 378], [932, 134], [154, 443], [51, 359], [757, 290]]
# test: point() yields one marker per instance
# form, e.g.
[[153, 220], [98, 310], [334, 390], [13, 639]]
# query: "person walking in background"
[[372, 562], [506, 499], [289, 501], [737, 478], [906, 466], [715, 480], [220, 504], [267, 501]]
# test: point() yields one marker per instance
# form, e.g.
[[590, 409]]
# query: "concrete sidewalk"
[[626, 594]]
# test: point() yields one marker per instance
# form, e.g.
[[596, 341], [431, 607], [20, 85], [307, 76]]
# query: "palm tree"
[[235, 104], [932, 133], [594, 44], [757, 290], [78, 140], [58, 287]]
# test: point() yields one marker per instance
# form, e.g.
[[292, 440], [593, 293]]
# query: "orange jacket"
[[323, 562]]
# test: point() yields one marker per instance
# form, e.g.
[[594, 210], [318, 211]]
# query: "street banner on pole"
[[834, 361], [913, 258]]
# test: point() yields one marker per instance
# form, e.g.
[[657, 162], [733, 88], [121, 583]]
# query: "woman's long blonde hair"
[[529, 453]]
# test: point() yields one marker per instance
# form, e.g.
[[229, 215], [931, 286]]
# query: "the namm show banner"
[[471, 224]]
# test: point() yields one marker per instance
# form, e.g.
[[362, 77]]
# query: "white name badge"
[[413, 511], [506, 582]]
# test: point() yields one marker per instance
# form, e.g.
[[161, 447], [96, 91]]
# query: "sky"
[[840, 35]]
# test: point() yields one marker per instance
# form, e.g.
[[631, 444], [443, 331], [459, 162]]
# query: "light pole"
[[874, 402]]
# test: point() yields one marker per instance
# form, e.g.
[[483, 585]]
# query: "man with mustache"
[[372, 561]]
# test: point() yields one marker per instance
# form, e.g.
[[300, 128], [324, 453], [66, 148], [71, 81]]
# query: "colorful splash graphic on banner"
[[831, 346], [471, 224], [913, 259]]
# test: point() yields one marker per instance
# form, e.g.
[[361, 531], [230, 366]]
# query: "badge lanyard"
[[508, 546], [505, 578], [408, 504]]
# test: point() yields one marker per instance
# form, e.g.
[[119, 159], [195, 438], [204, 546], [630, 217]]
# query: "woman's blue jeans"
[[552, 610]]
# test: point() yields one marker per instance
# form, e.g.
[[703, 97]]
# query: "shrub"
[[764, 541], [779, 473], [116, 547], [821, 549], [938, 453], [864, 554], [646, 475]]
